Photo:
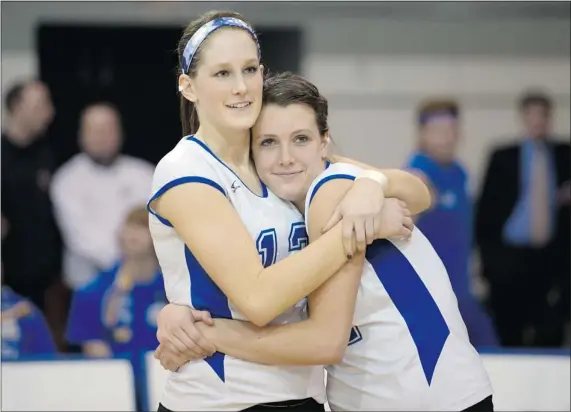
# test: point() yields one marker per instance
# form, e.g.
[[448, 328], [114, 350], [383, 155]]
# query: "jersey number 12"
[[267, 242]]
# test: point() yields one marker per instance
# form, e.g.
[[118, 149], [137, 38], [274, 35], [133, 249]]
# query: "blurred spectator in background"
[[523, 231], [24, 329], [31, 247], [117, 312], [448, 224], [94, 191]]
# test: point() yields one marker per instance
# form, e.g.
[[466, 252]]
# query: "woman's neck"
[[230, 146], [300, 203]]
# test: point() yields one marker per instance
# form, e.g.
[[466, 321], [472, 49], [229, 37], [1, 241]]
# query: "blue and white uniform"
[[221, 382], [409, 348], [26, 335], [135, 332], [452, 210]]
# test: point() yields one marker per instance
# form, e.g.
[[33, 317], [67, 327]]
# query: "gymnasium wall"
[[374, 61]]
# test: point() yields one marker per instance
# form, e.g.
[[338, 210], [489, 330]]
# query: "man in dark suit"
[[523, 232], [31, 244]]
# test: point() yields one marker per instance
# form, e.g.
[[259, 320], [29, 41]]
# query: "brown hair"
[[287, 88], [535, 98], [14, 96], [188, 114], [435, 106], [15, 93], [138, 216]]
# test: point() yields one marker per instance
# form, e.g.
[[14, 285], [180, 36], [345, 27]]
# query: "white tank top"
[[409, 348], [220, 382]]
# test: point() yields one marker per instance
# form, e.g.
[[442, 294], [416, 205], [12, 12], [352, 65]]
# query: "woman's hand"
[[360, 210], [395, 220], [179, 338]]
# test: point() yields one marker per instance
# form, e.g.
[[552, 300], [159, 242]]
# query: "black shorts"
[[299, 405], [485, 405]]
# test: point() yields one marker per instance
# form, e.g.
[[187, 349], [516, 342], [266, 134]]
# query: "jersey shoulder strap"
[[333, 171]]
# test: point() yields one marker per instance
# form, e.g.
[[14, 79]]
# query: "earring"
[[180, 88]]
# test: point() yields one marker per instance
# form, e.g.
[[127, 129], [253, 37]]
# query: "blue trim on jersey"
[[206, 295], [412, 299], [176, 182], [205, 147], [325, 180]]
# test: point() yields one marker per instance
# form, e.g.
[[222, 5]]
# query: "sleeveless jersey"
[[452, 209], [409, 348], [221, 382]]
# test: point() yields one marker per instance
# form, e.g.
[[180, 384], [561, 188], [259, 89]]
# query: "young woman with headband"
[[226, 244]]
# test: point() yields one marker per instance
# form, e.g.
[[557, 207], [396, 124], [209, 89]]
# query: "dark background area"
[[135, 69]]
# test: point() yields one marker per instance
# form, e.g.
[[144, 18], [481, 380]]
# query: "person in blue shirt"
[[448, 224], [25, 332], [115, 315]]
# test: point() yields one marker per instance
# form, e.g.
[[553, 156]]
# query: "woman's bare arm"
[[402, 185]]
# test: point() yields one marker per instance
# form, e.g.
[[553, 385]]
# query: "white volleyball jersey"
[[409, 348], [220, 382]]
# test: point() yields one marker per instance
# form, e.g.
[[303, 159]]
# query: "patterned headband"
[[201, 34]]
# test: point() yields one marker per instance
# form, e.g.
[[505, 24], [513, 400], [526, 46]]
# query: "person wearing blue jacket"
[[449, 223]]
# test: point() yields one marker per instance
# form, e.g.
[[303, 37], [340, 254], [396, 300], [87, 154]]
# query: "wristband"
[[378, 177]]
